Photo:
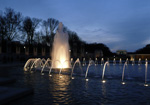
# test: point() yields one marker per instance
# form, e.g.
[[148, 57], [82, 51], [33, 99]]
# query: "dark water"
[[63, 90]]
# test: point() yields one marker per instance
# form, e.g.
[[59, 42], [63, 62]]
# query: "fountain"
[[146, 64], [139, 62], [28, 64], [102, 61], [114, 61], [120, 61], [60, 51], [84, 62], [133, 61], [72, 61], [38, 63], [146, 61], [90, 63], [125, 64], [106, 63], [60, 55], [77, 61], [47, 64], [96, 61], [127, 61]]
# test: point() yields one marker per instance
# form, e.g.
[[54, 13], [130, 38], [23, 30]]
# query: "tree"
[[53, 24], [9, 24], [29, 27], [49, 27], [46, 38], [144, 50], [2, 28]]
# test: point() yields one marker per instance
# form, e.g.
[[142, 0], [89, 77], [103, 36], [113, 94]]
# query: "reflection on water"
[[60, 88], [104, 90]]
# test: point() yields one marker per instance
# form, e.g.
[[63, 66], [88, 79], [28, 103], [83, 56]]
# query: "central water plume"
[[60, 51]]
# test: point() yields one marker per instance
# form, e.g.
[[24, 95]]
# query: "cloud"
[[147, 41], [100, 35]]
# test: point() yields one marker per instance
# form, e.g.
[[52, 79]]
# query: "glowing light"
[[31, 72], [60, 76], [60, 51], [50, 75], [103, 81], [42, 73], [86, 79], [72, 77], [123, 83], [146, 85]]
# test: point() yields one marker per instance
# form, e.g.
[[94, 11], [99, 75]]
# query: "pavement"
[[8, 94]]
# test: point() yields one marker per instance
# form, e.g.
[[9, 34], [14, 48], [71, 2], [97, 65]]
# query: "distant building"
[[43, 51], [142, 56], [121, 52]]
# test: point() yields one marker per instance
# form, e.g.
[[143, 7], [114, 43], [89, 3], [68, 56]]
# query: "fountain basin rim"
[[61, 68]]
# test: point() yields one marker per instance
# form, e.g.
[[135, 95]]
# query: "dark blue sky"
[[120, 24]]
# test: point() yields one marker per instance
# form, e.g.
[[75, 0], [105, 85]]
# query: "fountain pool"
[[65, 90]]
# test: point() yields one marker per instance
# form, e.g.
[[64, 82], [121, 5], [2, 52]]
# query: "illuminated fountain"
[[146, 64], [133, 61], [146, 61], [102, 61], [127, 60], [125, 64], [28, 64], [34, 63], [91, 62], [60, 55], [139, 62], [47, 64], [72, 61], [84, 62], [120, 61], [106, 63], [114, 61], [96, 61], [76, 62], [60, 51], [38, 63]]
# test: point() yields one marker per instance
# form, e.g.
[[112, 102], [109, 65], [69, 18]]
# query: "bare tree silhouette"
[[29, 27], [9, 24]]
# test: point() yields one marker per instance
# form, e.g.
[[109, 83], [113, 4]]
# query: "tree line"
[[15, 27]]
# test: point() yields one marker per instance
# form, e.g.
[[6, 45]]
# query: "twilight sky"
[[119, 24]]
